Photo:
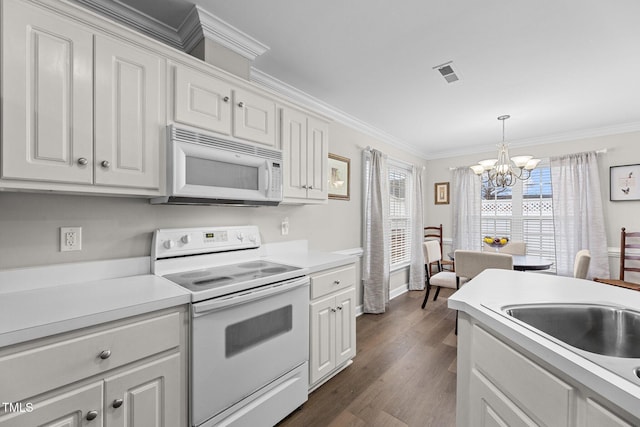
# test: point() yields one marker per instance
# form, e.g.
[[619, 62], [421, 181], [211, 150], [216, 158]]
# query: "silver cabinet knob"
[[92, 415], [105, 354], [241, 104], [225, 99], [105, 164], [336, 282], [305, 187], [82, 161], [117, 403], [310, 187], [339, 307], [333, 310]]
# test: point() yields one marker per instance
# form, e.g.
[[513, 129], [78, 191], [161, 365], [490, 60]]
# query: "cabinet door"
[[201, 100], [146, 396], [489, 407], [345, 326], [254, 117], [128, 115], [47, 83], [317, 159], [294, 148], [68, 409], [598, 415], [322, 340]]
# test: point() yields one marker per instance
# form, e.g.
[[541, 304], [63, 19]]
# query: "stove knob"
[[240, 236], [169, 244], [186, 239], [252, 238]]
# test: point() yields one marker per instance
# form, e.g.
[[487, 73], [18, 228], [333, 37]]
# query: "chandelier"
[[505, 171]]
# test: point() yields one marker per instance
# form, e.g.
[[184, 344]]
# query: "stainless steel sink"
[[600, 329]]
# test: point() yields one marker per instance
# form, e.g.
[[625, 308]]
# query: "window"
[[523, 212], [400, 189]]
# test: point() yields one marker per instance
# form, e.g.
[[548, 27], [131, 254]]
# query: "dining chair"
[[434, 232], [581, 264], [441, 279], [471, 263], [512, 248], [629, 261]]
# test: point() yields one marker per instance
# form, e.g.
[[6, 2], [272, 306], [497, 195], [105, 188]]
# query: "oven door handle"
[[206, 307]]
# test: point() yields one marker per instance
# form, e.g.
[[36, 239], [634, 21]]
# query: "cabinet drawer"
[[43, 368], [329, 281], [535, 390]]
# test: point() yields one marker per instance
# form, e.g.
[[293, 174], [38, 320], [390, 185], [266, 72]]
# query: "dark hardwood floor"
[[404, 372]]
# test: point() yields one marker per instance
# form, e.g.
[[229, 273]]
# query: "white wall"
[[117, 227], [622, 149]]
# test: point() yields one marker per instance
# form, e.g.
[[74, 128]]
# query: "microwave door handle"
[[206, 307], [269, 177]]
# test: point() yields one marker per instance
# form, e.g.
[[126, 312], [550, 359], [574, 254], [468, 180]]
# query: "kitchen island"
[[509, 373]]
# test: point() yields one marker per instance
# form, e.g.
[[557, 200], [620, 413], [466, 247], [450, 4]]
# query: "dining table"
[[525, 262]]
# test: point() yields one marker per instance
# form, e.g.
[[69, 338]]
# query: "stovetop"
[[251, 272], [216, 261]]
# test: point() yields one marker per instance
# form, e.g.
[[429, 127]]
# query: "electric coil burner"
[[249, 324]]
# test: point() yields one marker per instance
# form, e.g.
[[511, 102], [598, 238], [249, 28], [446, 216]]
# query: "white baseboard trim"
[[394, 293]]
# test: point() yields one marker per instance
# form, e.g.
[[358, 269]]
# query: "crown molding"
[[142, 22], [542, 140], [200, 23], [313, 103]]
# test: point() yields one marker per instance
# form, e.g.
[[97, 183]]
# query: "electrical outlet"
[[284, 227], [70, 239]]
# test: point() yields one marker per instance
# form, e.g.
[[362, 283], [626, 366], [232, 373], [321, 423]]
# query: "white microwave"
[[203, 169]]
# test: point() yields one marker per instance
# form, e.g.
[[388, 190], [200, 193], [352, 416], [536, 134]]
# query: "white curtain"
[[467, 208], [375, 260], [416, 271], [577, 213]]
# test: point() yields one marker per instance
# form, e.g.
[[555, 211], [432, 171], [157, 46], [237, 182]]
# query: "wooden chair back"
[[629, 262]]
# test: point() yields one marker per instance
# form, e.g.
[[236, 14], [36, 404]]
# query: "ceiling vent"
[[447, 71]]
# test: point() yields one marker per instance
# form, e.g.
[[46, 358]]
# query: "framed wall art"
[[441, 193], [339, 177], [623, 182]]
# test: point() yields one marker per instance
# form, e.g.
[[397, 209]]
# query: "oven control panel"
[[173, 242]]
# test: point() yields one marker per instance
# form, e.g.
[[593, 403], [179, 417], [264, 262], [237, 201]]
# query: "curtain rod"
[[600, 151]]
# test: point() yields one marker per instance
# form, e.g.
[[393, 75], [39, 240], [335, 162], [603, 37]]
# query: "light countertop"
[[43, 301], [484, 297]]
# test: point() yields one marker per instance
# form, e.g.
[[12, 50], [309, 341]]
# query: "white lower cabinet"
[[501, 386], [129, 373], [332, 323]]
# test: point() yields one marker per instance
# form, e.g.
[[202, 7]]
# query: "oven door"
[[243, 342]]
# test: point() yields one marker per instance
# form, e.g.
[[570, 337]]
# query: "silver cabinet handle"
[[333, 310], [105, 164], [117, 403], [92, 415], [105, 354], [336, 282], [339, 307], [82, 161], [225, 99], [241, 104]]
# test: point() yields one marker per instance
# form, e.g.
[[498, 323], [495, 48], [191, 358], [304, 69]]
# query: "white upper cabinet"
[[128, 115], [81, 111], [305, 145], [204, 101], [47, 91]]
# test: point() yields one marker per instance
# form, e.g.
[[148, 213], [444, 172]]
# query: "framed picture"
[[339, 177], [624, 182], [442, 193]]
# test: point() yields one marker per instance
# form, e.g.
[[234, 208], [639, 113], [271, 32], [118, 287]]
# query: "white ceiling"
[[560, 68]]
